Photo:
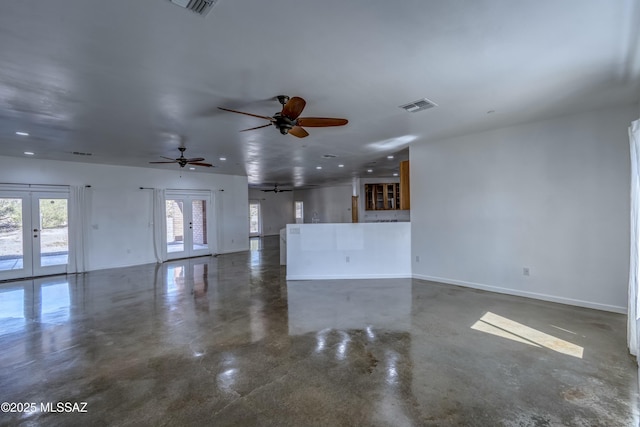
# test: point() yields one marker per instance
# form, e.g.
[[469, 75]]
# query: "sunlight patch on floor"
[[500, 326]]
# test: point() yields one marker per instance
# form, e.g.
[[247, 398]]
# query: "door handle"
[[35, 230]]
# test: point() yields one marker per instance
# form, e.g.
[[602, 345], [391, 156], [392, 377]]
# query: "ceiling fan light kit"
[[275, 189], [288, 121], [183, 161]]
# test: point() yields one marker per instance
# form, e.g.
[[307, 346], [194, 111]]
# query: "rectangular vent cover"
[[201, 7], [419, 105]]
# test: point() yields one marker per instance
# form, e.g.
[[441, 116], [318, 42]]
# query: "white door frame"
[[188, 249], [32, 232]]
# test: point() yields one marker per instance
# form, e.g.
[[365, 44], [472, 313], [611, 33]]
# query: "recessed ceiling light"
[[340, 166], [192, 169], [389, 157], [222, 159], [318, 167], [22, 133], [369, 170], [29, 153], [395, 174]]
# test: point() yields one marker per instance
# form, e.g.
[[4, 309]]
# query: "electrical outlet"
[[348, 259], [526, 271], [417, 258]]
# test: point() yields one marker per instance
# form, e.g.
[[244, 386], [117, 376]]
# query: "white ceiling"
[[125, 80]]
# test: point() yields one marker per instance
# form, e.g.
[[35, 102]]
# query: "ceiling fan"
[[288, 121], [183, 161], [275, 190]]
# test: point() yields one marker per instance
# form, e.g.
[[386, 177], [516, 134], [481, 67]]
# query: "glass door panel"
[[199, 225], [175, 226], [12, 232], [54, 232], [49, 233]]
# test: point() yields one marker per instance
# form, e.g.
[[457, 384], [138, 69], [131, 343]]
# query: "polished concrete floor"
[[227, 341]]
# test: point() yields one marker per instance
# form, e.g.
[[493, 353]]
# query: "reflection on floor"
[[227, 341]]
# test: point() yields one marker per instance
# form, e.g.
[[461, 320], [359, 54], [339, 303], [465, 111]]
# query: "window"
[[299, 212], [255, 227]]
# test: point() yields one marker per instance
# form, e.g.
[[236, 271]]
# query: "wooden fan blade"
[[298, 131], [294, 107], [209, 165], [268, 191], [257, 127], [281, 191], [195, 159], [248, 114], [168, 158], [173, 161], [319, 122]]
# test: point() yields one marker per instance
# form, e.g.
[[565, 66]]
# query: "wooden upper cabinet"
[[389, 196], [405, 200], [378, 197]]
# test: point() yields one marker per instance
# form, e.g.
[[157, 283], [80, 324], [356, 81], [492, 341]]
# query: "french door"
[[34, 233], [187, 225]]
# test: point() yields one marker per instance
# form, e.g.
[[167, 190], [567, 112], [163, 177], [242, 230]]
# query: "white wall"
[[119, 224], [552, 196], [373, 216], [333, 204], [276, 210], [348, 251]]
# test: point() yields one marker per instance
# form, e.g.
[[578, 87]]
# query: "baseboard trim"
[[233, 251], [526, 294], [294, 277]]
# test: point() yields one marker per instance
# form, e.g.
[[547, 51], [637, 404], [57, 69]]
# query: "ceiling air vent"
[[419, 105], [80, 153], [201, 7]]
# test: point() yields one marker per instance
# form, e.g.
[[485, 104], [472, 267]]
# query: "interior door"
[[34, 234], [187, 225]]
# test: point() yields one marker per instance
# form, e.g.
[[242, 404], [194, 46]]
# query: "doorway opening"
[[255, 220], [299, 209]]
